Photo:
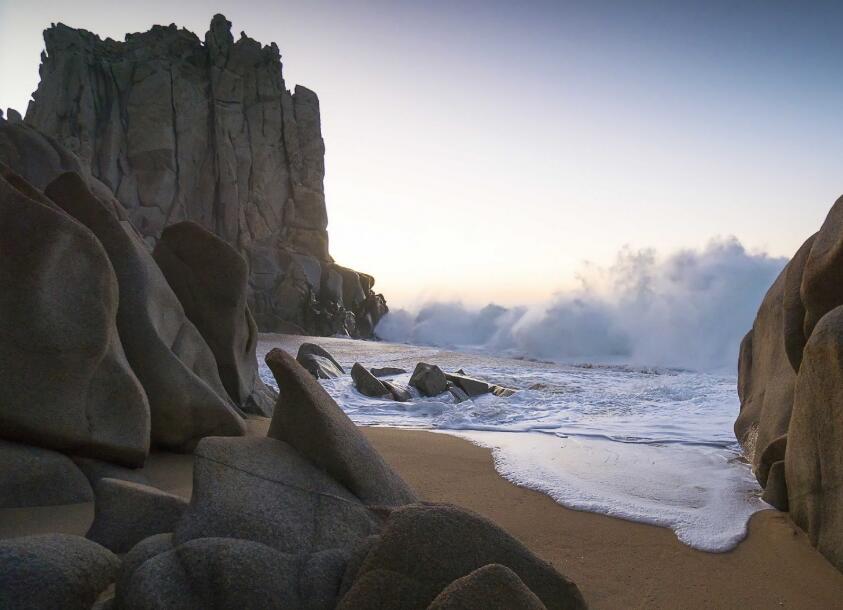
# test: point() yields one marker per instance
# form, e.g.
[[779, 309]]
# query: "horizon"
[[661, 128]]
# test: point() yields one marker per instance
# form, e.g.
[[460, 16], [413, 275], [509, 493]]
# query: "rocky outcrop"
[[176, 367], [210, 278], [185, 129], [65, 382], [791, 389]]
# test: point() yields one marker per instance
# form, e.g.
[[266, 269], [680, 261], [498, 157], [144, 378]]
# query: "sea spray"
[[689, 310]]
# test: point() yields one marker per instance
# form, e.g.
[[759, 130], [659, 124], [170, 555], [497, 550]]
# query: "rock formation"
[[791, 389], [184, 129]]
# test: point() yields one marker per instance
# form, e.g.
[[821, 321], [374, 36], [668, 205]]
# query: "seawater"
[[653, 445]]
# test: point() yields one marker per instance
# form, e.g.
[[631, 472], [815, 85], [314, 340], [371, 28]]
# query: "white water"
[[649, 445]]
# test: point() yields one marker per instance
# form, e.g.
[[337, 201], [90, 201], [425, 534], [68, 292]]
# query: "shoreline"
[[615, 562]]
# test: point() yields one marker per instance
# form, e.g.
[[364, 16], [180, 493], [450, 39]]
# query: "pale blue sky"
[[482, 150]]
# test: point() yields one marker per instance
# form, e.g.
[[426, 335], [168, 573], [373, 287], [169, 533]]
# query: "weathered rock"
[[318, 361], [399, 392], [210, 280], [429, 379], [65, 382], [469, 385], [366, 383], [356, 557], [775, 489], [794, 310], [96, 470], [307, 418], [502, 392], [215, 573], [822, 278], [386, 371], [181, 130], [458, 393], [126, 513], [774, 452], [139, 554], [765, 378], [423, 548], [261, 489], [814, 457], [176, 367], [492, 587], [54, 571], [31, 476]]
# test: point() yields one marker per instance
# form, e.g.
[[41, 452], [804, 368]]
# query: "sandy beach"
[[616, 563]]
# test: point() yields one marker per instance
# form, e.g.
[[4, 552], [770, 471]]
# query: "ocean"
[[648, 444]]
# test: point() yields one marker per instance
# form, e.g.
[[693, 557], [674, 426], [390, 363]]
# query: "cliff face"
[[182, 129]]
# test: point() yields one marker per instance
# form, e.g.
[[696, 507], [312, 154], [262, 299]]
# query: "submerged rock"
[[318, 361], [429, 379], [399, 392], [308, 419], [366, 383]]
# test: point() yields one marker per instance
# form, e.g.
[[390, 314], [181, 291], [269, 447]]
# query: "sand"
[[616, 563]]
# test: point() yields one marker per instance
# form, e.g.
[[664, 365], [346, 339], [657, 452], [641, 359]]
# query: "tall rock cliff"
[[185, 129]]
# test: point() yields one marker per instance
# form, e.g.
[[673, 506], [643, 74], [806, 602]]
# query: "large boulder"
[[31, 476], [822, 279], [794, 308], [261, 489], [139, 554], [54, 571], [423, 548], [492, 587], [765, 378], [222, 573], [65, 382], [318, 361], [126, 513], [366, 383], [814, 456], [308, 419], [429, 379], [210, 279], [176, 367]]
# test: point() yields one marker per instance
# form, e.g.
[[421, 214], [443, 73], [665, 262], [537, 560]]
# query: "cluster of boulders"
[[790, 383], [309, 516], [108, 348], [183, 128], [427, 379]]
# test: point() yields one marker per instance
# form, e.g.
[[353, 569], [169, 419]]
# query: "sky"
[[483, 151]]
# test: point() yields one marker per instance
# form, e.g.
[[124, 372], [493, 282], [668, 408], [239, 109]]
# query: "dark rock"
[[126, 513], [139, 554], [210, 280], [366, 383], [356, 557], [176, 367], [774, 452], [54, 571], [423, 548], [261, 489], [31, 476], [95, 470], [399, 392], [65, 383], [386, 371], [775, 490], [469, 385], [307, 418], [492, 587], [429, 379], [814, 457], [318, 361], [458, 393], [793, 308]]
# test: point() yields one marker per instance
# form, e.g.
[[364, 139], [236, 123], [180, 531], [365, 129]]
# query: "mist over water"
[[689, 310]]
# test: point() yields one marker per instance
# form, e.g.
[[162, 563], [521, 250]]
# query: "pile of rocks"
[[107, 348], [790, 384], [309, 516]]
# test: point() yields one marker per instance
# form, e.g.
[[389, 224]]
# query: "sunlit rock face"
[[185, 129]]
